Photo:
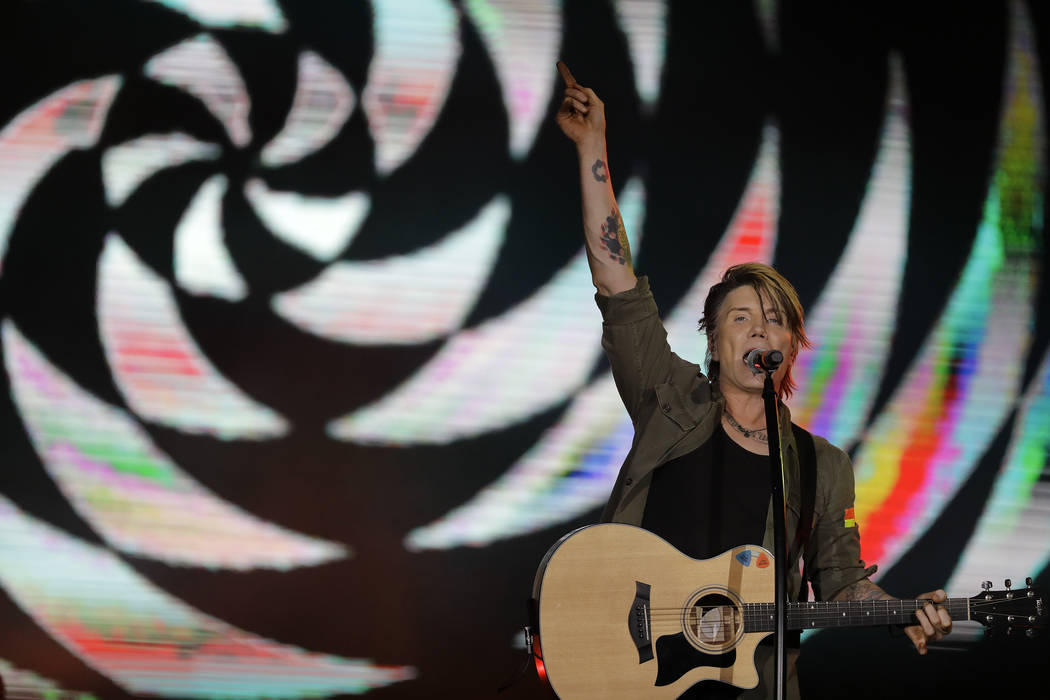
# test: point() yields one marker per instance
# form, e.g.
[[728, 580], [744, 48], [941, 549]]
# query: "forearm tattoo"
[[862, 590], [614, 238], [598, 170]]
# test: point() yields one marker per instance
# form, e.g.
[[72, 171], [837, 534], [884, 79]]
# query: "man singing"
[[698, 470]]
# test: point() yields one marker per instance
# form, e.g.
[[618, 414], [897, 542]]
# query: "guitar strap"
[[807, 462]]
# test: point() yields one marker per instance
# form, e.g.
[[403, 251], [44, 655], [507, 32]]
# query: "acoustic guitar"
[[623, 614]]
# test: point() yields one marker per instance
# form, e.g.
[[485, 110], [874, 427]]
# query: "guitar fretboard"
[[759, 617]]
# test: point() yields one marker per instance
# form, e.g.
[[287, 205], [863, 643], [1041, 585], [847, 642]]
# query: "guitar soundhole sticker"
[[713, 622]]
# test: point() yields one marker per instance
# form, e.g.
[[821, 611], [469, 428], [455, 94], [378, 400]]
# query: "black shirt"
[[711, 499], [705, 502]]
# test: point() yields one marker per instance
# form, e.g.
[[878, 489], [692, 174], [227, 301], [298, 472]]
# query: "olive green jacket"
[[675, 409]]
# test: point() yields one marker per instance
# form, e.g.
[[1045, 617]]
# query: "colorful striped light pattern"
[[962, 388], [966, 380], [150, 643], [351, 302], [851, 336], [161, 371], [133, 493], [20, 684], [441, 403]]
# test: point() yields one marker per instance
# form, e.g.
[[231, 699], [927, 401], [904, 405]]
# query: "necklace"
[[756, 434]]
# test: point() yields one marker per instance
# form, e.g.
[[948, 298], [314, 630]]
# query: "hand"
[[934, 621], [581, 115]]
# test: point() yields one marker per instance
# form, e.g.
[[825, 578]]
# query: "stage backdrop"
[[301, 372]]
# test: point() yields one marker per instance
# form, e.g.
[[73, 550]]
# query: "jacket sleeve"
[[834, 559], [635, 342]]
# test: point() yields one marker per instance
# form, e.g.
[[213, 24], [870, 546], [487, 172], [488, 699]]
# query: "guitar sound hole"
[[713, 622]]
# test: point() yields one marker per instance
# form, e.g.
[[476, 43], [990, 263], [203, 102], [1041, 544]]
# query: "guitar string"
[[838, 605], [859, 612], [828, 614], [872, 617], [767, 625], [852, 611], [759, 626], [758, 618]]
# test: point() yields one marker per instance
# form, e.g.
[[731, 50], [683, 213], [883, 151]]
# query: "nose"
[[758, 328]]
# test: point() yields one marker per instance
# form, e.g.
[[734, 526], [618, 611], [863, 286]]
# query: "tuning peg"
[[1007, 583], [1030, 633], [1028, 581], [986, 585]]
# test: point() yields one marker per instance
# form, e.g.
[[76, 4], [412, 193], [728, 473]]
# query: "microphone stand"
[[776, 476]]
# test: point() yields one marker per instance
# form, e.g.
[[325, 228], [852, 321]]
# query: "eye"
[[773, 319]]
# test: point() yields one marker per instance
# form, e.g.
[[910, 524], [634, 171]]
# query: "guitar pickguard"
[[675, 657]]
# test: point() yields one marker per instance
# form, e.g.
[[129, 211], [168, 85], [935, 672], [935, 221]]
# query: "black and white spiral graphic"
[[301, 357]]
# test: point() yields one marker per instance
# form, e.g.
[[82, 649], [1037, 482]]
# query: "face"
[[742, 327]]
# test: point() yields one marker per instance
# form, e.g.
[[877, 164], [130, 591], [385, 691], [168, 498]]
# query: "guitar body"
[[623, 614]]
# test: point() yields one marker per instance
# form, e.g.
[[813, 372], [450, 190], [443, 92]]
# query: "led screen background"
[[301, 359]]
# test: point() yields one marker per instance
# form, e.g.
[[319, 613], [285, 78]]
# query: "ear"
[[714, 349]]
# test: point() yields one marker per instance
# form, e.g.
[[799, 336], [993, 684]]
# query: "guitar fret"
[[759, 617]]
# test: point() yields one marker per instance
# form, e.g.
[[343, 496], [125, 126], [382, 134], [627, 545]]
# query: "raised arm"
[[582, 118]]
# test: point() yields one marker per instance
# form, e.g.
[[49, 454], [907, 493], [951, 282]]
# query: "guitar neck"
[[759, 617]]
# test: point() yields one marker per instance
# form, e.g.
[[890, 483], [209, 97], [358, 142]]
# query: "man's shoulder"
[[829, 456], [823, 445], [688, 375]]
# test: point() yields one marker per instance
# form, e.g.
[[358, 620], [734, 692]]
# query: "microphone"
[[763, 360]]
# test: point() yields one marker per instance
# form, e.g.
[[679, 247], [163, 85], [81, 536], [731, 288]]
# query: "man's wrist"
[[591, 148]]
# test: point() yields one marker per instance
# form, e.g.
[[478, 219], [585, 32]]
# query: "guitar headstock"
[[1023, 608]]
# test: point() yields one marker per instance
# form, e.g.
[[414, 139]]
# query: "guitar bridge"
[[639, 622]]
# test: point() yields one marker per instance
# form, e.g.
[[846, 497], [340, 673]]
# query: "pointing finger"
[[566, 74]]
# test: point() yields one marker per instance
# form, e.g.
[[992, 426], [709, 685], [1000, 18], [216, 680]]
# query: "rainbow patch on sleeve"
[[850, 519]]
